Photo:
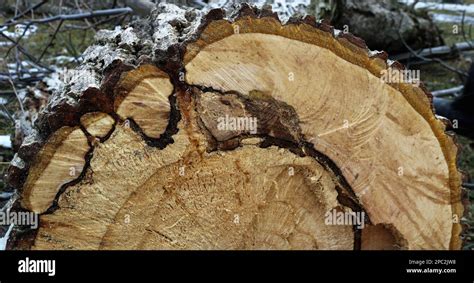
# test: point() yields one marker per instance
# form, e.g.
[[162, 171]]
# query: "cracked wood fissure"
[[155, 169]]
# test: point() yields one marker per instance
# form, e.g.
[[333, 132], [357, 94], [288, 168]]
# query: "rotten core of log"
[[152, 158]]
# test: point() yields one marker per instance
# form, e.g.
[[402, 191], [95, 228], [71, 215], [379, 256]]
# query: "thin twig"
[[31, 9], [51, 40], [22, 50], [17, 96], [104, 21], [447, 92], [75, 17], [412, 6], [439, 61], [7, 113], [18, 39]]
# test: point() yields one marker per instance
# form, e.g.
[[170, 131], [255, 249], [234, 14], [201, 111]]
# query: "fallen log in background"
[[144, 150], [382, 24], [439, 51]]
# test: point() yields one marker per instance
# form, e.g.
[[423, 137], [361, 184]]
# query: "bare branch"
[[462, 29], [6, 113], [24, 52], [51, 40], [17, 96], [439, 61], [450, 91], [31, 9], [74, 17]]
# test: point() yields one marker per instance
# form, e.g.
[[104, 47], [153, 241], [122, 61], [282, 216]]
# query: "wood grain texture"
[[146, 99], [389, 153], [60, 161], [331, 137], [97, 124]]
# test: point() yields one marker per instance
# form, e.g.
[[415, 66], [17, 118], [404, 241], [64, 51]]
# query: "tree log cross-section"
[[228, 129]]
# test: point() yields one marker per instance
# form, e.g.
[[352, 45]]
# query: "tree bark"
[[230, 130]]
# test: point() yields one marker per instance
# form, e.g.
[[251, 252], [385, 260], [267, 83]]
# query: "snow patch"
[[5, 141], [19, 30], [446, 18], [4, 239], [469, 8]]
